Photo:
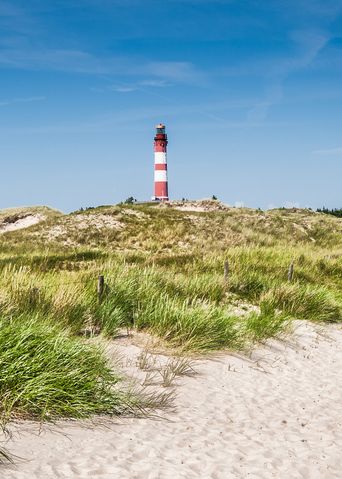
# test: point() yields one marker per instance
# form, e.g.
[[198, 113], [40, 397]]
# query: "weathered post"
[[226, 271], [34, 296], [290, 272], [100, 287]]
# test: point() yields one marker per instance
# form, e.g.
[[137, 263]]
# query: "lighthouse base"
[[160, 198]]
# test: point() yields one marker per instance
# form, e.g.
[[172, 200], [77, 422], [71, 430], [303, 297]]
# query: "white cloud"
[[78, 61], [155, 83], [22, 100], [328, 151], [140, 85], [176, 71], [308, 45], [123, 89], [259, 111]]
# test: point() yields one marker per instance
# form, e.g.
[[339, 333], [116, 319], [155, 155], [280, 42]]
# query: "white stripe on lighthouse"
[[160, 175], [160, 158]]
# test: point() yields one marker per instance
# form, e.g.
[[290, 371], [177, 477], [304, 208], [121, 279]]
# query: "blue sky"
[[250, 91]]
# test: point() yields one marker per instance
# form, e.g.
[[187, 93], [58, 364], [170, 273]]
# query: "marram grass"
[[46, 374], [304, 302], [163, 271], [5, 456]]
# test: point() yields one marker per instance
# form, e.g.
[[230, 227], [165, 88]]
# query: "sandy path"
[[277, 415]]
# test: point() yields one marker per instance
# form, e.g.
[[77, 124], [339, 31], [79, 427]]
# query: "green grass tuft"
[[304, 302], [47, 374]]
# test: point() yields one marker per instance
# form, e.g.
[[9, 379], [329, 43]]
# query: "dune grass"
[[47, 374], [5, 456], [305, 302], [163, 271]]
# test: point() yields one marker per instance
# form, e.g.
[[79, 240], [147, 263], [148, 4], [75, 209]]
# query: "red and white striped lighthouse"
[[161, 190]]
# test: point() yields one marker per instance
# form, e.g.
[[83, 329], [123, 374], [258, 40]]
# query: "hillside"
[[184, 241], [179, 228], [12, 219], [163, 269]]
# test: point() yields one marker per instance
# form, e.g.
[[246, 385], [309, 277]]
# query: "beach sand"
[[276, 414]]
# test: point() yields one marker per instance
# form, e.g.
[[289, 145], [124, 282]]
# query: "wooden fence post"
[[34, 296], [226, 271], [100, 287], [290, 272]]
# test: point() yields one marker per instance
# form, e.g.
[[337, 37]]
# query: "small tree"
[[130, 200], [335, 211]]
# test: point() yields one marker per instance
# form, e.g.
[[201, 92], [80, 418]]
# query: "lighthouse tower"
[[161, 190]]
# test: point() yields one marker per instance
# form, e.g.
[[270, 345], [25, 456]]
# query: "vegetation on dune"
[[163, 270], [334, 211], [12, 215], [5, 456], [46, 373], [31, 210]]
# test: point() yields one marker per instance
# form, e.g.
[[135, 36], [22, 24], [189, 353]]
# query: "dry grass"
[[176, 367]]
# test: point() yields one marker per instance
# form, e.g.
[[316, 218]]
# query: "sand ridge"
[[21, 223], [275, 414]]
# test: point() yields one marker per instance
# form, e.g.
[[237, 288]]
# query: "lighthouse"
[[161, 190]]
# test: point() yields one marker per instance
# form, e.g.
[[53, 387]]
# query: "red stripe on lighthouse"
[[161, 190], [160, 148], [160, 166]]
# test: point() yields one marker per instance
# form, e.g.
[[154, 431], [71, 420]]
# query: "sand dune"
[[276, 414], [21, 223]]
